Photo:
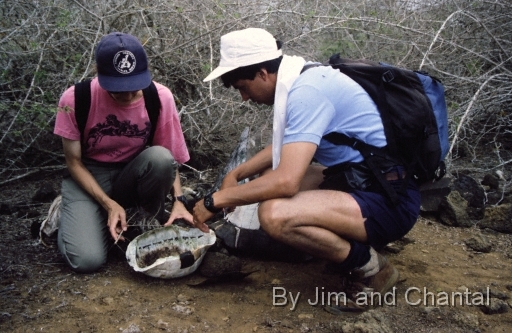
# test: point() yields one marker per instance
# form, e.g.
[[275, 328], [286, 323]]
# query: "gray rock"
[[479, 243], [107, 301], [428, 310], [494, 293], [217, 264], [495, 306], [492, 181], [181, 298], [466, 320], [498, 218], [473, 193], [398, 245], [453, 211], [132, 329], [185, 310], [371, 321], [433, 193], [394, 247], [470, 190]]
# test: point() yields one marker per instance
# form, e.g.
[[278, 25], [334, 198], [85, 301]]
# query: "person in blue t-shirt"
[[303, 204]]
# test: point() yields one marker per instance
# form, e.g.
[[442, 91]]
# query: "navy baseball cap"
[[122, 63]]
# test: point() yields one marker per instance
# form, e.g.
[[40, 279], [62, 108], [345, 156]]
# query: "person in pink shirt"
[[112, 165]]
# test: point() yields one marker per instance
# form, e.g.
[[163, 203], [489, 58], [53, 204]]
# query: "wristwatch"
[[208, 204], [183, 199]]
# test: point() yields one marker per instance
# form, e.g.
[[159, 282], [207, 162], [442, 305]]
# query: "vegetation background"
[[46, 46]]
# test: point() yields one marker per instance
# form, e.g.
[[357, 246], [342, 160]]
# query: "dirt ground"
[[39, 293]]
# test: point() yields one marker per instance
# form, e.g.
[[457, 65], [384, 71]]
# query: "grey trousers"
[[83, 237]]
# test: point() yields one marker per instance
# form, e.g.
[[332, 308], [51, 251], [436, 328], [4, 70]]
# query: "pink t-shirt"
[[117, 133]]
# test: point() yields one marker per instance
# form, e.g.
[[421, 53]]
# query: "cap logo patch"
[[124, 62]]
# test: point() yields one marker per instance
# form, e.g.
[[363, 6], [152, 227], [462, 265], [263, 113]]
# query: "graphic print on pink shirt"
[[113, 127]]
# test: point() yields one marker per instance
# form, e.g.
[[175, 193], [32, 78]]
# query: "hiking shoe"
[[227, 232], [382, 281], [385, 279], [374, 279]]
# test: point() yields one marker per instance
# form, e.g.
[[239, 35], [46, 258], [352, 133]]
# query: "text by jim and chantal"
[[413, 296]]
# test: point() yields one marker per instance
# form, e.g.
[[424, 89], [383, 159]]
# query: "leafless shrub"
[[46, 46]]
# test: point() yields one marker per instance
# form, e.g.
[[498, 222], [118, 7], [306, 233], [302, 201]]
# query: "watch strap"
[[209, 204], [183, 199]]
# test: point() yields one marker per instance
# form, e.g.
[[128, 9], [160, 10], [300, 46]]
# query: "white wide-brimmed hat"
[[243, 48]]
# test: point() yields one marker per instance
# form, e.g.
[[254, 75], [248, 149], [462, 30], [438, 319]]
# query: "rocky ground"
[[436, 262]]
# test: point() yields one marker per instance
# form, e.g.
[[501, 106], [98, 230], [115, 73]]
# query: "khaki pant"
[[83, 237]]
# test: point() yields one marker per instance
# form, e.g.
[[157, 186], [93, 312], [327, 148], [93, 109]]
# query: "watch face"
[[181, 198], [208, 202]]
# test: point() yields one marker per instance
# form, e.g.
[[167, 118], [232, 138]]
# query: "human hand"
[[201, 215], [116, 220], [179, 211]]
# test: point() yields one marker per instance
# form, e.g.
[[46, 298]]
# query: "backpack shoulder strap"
[[153, 105], [372, 78], [370, 154], [82, 105]]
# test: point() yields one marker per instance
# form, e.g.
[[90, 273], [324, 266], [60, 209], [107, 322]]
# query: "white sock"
[[372, 267]]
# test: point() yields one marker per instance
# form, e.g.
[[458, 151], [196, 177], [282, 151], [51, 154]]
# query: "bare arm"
[[254, 166], [282, 182], [178, 209], [116, 213]]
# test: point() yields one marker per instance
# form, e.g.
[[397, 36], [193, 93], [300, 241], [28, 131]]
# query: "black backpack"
[[83, 105], [414, 114]]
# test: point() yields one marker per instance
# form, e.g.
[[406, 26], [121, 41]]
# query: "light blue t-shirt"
[[323, 100]]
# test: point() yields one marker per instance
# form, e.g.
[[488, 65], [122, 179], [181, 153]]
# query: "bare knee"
[[272, 222]]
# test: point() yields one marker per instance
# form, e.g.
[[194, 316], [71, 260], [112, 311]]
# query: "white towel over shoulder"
[[289, 71]]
